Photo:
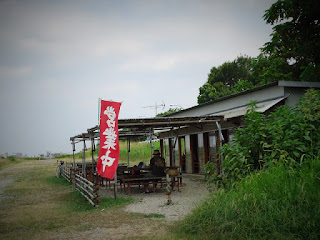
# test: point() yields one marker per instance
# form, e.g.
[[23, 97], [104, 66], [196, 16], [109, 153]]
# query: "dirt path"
[[3, 184], [192, 192], [7, 175]]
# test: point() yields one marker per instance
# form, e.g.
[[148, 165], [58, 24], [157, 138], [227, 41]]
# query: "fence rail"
[[87, 189], [66, 173]]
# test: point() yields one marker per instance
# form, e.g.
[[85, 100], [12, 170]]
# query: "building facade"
[[191, 147]]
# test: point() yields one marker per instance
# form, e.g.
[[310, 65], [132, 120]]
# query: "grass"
[[155, 215], [77, 203], [7, 162], [139, 152], [39, 206], [12, 161], [276, 203]]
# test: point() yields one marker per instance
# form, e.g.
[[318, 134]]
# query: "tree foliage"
[[226, 79], [270, 69], [293, 53], [170, 111], [295, 38]]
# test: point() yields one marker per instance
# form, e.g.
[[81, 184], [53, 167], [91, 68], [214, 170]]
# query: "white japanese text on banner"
[[109, 139]]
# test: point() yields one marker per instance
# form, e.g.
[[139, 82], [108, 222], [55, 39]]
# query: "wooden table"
[[141, 181]]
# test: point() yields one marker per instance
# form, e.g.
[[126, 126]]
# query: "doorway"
[[182, 153], [194, 153], [206, 147]]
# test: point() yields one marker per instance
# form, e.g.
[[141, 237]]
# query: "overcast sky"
[[58, 57]]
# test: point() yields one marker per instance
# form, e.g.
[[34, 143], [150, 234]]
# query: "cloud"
[[74, 35], [58, 57], [9, 72], [149, 63]]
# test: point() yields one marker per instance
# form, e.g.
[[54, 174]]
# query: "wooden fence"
[[87, 189], [66, 173]]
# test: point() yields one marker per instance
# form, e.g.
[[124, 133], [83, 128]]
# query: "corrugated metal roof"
[[261, 107], [144, 126]]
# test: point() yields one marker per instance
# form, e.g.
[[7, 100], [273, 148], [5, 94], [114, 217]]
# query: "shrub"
[[278, 202], [288, 134]]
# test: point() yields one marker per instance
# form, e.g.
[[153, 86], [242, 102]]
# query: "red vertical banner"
[[109, 139]]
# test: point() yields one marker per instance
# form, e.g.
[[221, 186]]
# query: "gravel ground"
[[192, 191]]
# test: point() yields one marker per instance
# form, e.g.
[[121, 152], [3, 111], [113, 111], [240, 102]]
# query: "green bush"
[[279, 202], [12, 159], [289, 134]]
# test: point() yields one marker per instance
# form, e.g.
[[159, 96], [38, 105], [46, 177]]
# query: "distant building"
[[53, 155], [17, 155]]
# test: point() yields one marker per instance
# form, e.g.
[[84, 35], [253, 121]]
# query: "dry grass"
[[36, 206], [7, 162]]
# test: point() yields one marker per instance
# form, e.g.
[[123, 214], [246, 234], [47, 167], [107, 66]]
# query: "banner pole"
[[128, 148], [99, 102], [98, 144], [115, 185]]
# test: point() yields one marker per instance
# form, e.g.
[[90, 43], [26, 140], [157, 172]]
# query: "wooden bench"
[[141, 181]]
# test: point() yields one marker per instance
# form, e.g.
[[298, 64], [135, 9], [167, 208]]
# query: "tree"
[[170, 111], [270, 69], [226, 79], [292, 54], [296, 37], [213, 91], [229, 73]]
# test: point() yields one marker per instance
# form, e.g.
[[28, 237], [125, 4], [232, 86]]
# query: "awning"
[[147, 126], [262, 107]]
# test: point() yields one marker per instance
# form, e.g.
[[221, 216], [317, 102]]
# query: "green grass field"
[[139, 152]]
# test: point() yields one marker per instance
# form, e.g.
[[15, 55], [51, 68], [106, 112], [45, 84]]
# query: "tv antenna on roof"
[[156, 106]]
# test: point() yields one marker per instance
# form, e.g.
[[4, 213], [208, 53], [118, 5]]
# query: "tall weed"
[[281, 202]]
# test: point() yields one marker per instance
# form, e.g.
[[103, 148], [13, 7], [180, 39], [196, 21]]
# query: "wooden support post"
[[92, 152], [128, 147], [161, 148], [73, 173], [73, 150], [220, 145], [84, 168], [115, 186], [168, 193], [154, 183]]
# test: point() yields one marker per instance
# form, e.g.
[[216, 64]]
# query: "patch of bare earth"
[[192, 192]]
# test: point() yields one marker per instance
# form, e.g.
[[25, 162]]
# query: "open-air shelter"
[[130, 128], [192, 137]]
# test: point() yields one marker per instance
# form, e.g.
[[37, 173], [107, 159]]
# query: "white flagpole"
[[99, 102]]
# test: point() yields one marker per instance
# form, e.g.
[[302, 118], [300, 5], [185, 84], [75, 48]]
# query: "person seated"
[[157, 167]]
